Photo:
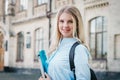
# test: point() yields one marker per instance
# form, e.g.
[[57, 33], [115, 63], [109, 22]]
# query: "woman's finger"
[[47, 76], [41, 78]]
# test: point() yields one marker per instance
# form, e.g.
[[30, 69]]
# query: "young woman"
[[69, 29]]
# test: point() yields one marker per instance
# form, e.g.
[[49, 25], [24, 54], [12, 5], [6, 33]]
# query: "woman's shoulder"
[[82, 49]]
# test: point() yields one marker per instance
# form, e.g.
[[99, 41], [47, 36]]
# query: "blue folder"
[[43, 58]]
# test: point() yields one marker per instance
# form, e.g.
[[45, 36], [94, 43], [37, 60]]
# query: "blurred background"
[[26, 26]]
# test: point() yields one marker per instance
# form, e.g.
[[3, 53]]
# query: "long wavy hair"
[[78, 31]]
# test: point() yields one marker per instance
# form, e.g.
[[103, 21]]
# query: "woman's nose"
[[65, 24]]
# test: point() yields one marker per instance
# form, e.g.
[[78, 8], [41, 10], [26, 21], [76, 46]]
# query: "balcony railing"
[[95, 3], [40, 10], [21, 15]]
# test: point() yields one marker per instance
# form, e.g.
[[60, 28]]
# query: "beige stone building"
[[26, 27]]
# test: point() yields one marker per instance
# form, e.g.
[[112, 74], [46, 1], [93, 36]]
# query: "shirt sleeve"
[[82, 70]]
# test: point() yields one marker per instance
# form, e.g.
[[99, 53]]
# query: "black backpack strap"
[[71, 61], [71, 57]]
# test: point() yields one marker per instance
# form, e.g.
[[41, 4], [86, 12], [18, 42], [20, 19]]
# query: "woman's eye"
[[70, 21], [61, 21]]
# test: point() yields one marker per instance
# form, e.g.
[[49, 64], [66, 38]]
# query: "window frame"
[[39, 41], [20, 46], [95, 33], [23, 5]]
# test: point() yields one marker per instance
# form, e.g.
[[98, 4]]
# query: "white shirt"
[[58, 63]]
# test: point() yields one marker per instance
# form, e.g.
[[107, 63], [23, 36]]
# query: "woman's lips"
[[65, 30]]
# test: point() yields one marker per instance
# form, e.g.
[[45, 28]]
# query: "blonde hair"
[[78, 31]]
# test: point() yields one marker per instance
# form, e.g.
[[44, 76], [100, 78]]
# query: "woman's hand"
[[46, 77]]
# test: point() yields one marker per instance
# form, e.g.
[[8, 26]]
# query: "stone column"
[[17, 8], [2, 9], [35, 2], [8, 28], [30, 6]]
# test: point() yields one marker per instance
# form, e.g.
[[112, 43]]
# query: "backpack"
[[71, 60]]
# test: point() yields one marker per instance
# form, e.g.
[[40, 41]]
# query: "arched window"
[[20, 46], [98, 37], [38, 42]]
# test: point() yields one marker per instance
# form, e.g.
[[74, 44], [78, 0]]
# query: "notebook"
[[42, 59]]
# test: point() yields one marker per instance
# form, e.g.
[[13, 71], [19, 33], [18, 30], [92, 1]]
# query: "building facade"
[[26, 27]]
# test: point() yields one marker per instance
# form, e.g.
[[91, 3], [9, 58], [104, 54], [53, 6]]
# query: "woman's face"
[[65, 24]]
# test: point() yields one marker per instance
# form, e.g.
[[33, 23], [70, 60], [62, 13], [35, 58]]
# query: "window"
[[28, 40], [20, 46], [1, 39], [13, 1], [38, 42], [6, 6], [6, 45], [98, 38], [41, 1], [117, 47], [23, 5]]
